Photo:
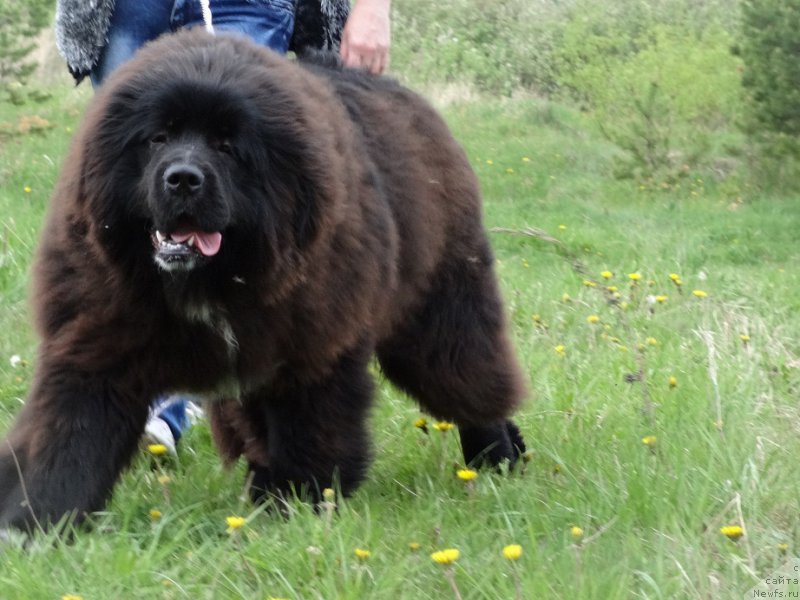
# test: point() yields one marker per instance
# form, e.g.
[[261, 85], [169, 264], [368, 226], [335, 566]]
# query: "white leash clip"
[[206, 10]]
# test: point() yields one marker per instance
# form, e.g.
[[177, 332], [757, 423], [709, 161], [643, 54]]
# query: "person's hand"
[[366, 36]]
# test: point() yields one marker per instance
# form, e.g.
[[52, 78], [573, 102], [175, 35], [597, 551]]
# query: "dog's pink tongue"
[[207, 243]]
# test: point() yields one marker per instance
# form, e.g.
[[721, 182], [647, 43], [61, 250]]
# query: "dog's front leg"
[[75, 434]]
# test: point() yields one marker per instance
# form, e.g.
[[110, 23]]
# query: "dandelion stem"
[[738, 504], [237, 543], [450, 575], [578, 569], [517, 582]]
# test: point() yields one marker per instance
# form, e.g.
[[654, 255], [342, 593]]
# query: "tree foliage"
[[770, 47]]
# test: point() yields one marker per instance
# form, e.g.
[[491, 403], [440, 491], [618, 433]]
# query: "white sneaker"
[[194, 411], [158, 432]]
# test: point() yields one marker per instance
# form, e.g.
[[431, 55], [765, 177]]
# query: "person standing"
[[96, 36]]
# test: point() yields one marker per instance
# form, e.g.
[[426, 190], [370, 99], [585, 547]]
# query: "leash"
[[205, 8]]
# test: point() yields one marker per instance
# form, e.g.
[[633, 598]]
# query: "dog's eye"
[[225, 147], [159, 138]]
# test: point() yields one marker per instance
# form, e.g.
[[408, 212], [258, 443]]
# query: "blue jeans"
[[136, 22]]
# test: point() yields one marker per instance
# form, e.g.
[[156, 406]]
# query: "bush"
[[20, 22], [659, 87], [496, 47]]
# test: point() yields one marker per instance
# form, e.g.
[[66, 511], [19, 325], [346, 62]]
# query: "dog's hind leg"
[[453, 355]]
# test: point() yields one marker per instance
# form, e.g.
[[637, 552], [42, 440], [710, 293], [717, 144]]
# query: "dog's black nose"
[[183, 179]]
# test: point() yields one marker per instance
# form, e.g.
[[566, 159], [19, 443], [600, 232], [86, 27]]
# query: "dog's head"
[[206, 152], [196, 172]]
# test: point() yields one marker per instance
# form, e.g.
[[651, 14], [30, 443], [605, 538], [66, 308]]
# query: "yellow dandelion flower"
[[512, 552], [623, 305], [783, 548], [421, 423], [673, 381], [606, 274], [560, 350], [562, 227], [164, 479], [443, 426], [674, 277], [612, 289], [509, 170], [27, 189], [565, 297], [445, 557], [661, 298], [235, 523], [526, 159], [362, 554], [328, 495], [699, 294], [536, 318], [649, 440], [577, 532], [489, 162], [732, 532], [589, 283], [157, 449], [413, 546], [651, 341], [71, 597], [466, 474], [744, 337], [155, 514], [593, 319], [634, 277]]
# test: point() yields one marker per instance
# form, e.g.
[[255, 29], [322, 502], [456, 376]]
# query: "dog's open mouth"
[[184, 245]]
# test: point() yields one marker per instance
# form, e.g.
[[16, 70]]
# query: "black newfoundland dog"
[[253, 230]]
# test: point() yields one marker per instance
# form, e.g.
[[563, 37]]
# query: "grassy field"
[[658, 413]]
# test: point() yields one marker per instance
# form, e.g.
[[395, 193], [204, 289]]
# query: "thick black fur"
[[350, 226]]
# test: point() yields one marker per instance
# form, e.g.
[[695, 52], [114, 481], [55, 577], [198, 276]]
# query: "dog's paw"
[[493, 445]]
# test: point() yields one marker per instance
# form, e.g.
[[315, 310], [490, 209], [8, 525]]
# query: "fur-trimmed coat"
[[82, 29]]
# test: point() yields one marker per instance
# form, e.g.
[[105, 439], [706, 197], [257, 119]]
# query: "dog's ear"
[[294, 182]]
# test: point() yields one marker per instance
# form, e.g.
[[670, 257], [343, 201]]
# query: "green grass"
[[727, 434]]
